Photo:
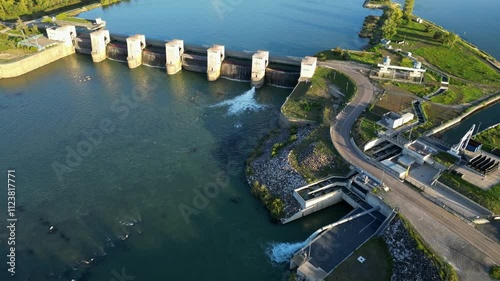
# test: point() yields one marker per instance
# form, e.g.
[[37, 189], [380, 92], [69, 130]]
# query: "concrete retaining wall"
[[37, 60], [350, 201], [374, 200], [288, 122], [371, 144], [335, 198], [461, 117]]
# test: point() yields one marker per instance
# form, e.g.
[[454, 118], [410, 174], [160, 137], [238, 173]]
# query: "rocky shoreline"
[[276, 172], [409, 263]]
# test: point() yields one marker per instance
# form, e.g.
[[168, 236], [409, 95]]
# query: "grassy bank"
[[445, 159], [13, 10], [272, 203], [457, 59], [446, 271], [428, 43], [495, 272], [436, 115], [377, 267], [489, 199], [313, 101], [372, 56], [490, 138], [322, 143], [419, 90], [365, 130]]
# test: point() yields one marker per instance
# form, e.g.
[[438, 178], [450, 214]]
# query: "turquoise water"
[[172, 137], [296, 28]]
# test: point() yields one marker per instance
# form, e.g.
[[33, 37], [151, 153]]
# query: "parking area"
[[481, 181]]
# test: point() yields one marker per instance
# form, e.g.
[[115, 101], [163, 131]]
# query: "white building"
[[420, 152], [394, 120]]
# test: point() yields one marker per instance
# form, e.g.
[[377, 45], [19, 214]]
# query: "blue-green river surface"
[[149, 143]]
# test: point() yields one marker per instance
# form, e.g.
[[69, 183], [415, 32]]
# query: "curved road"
[[413, 205]]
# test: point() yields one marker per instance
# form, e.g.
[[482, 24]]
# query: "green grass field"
[[419, 90], [365, 130], [459, 94], [489, 199], [366, 57], [445, 159], [458, 60], [489, 138], [312, 101], [377, 267]]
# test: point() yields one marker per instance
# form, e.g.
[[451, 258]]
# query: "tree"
[[438, 35], [450, 39], [390, 20], [20, 25], [495, 272], [408, 8], [389, 29]]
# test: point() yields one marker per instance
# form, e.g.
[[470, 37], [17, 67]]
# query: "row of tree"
[[393, 17], [12, 9], [390, 20]]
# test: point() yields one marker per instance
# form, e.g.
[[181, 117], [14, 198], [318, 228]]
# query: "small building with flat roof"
[[394, 120], [419, 151]]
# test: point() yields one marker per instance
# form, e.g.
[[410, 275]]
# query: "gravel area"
[[409, 262], [312, 158], [276, 172]]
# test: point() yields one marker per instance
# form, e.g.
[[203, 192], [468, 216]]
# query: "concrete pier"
[[99, 40], [308, 67], [174, 51], [215, 56], [135, 45], [260, 61], [65, 34]]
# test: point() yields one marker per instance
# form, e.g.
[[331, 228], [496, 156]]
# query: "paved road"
[[407, 198]]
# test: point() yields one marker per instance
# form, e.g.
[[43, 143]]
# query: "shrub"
[[276, 148], [273, 204], [276, 207], [346, 55], [495, 272], [337, 51], [438, 35]]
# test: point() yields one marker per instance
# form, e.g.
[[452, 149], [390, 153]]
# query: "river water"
[[482, 119], [116, 159]]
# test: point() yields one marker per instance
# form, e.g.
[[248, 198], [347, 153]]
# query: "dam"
[[258, 68]]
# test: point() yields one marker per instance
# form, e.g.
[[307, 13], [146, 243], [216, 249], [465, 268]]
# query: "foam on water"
[[283, 252], [242, 103]]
